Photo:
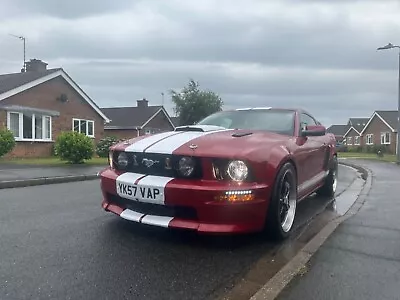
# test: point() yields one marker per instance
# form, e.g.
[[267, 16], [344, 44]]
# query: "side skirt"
[[310, 186]]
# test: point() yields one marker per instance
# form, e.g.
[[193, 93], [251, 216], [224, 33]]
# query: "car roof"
[[265, 108], [298, 110]]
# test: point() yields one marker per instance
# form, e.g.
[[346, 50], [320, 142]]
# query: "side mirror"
[[314, 130]]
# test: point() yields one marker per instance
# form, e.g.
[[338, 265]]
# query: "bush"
[[103, 146], [74, 147], [7, 141]]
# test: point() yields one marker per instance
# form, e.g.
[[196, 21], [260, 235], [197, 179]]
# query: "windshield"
[[278, 121]]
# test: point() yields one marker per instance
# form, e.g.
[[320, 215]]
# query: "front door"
[[314, 154]]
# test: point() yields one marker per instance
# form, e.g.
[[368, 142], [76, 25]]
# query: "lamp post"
[[22, 38], [391, 46]]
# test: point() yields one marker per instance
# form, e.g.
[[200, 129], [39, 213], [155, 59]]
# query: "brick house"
[[37, 105], [175, 121], [129, 122], [381, 130], [339, 131], [353, 136]]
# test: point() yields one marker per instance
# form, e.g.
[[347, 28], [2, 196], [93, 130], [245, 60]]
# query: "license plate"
[[142, 188], [139, 193]]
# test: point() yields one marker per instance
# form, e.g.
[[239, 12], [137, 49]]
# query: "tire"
[[330, 184], [283, 204]]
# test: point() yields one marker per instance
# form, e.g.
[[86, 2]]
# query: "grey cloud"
[[71, 9], [318, 55], [332, 96], [317, 43]]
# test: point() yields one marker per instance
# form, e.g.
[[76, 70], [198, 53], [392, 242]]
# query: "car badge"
[[168, 163], [149, 162], [193, 146]]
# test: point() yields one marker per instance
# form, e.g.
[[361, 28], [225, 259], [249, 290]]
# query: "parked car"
[[236, 171]]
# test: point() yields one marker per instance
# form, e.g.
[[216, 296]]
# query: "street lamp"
[[391, 46], [22, 38]]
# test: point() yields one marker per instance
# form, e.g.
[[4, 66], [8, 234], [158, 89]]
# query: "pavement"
[[13, 175], [361, 258], [57, 243]]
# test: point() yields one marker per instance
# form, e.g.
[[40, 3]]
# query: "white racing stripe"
[[131, 215], [142, 144], [128, 177], [170, 144], [157, 220]]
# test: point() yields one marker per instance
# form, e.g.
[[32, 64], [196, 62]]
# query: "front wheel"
[[282, 208]]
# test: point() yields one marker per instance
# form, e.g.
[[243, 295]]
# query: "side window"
[[306, 120]]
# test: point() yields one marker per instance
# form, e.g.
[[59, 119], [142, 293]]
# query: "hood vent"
[[240, 134], [199, 128]]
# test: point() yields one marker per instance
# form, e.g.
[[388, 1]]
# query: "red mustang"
[[234, 172]]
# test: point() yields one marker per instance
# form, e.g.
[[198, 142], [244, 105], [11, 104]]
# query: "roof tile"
[[128, 117], [390, 116], [14, 80]]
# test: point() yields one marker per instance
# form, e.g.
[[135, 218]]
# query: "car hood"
[[206, 141]]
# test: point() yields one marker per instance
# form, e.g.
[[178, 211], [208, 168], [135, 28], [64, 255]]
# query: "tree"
[[193, 104], [7, 141]]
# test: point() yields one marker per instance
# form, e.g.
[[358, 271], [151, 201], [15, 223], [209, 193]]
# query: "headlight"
[[186, 166], [122, 160], [237, 170], [110, 159]]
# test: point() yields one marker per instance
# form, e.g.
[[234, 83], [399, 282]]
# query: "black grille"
[[181, 212], [159, 167]]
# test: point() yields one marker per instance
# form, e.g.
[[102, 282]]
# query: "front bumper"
[[187, 204]]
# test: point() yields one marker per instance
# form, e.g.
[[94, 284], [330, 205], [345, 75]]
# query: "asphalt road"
[[361, 259], [57, 243]]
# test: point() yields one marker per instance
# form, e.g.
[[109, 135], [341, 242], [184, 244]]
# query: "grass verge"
[[52, 161], [371, 156]]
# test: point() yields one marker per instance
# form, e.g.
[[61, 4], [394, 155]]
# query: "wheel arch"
[[288, 159]]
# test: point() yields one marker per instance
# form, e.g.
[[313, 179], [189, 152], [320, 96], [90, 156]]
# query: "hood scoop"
[[199, 128], [240, 134]]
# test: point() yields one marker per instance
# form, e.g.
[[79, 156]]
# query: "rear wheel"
[[330, 184], [283, 205]]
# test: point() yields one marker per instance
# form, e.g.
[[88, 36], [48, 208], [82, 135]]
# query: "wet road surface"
[[57, 243], [361, 259]]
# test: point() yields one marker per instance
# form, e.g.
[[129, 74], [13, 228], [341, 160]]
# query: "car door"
[[317, 146]]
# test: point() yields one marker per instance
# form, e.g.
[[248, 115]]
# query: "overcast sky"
[[318, 55]]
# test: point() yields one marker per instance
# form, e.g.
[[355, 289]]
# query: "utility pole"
[[391, 46], [24, 40], [162, 98]]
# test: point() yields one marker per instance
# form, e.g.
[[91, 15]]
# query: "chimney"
[[35, 65], [142, 103]]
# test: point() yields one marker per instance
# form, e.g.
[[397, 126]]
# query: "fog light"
[[236, 196]]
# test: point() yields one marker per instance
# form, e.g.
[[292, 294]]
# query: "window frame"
[[371, 137], [384, 135], [349, 141], [20, 137], [357, 138], [301, 121], [87, 126]]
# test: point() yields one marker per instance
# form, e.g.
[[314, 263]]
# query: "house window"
[[369, 139], [29, 127], [83, 126], [149, 131], [356, 140], [385, 138], [349, 141]]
